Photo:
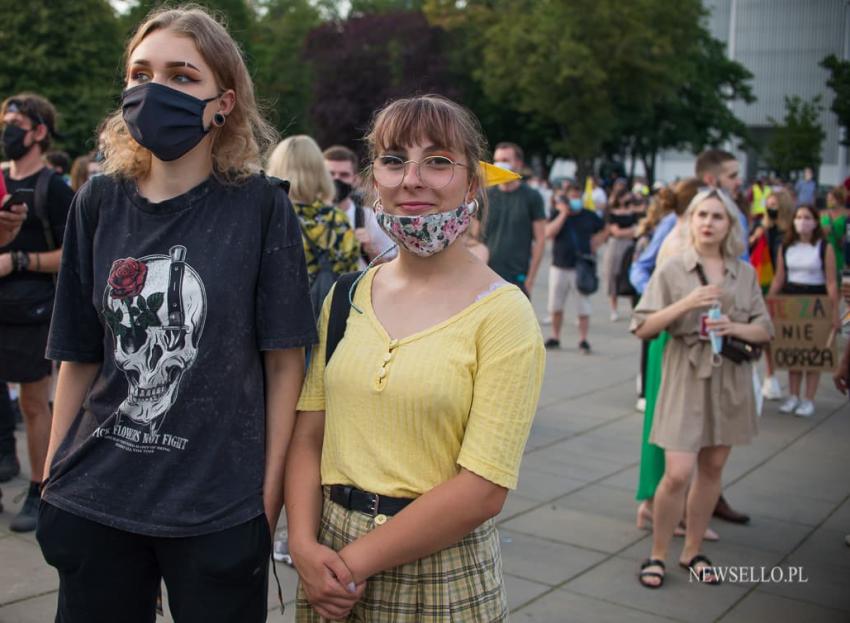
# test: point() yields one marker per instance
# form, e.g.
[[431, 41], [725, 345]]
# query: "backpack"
[[340, 308], [324, 279], [27, 301]]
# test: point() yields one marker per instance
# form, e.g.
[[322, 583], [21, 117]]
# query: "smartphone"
[[22, 195]]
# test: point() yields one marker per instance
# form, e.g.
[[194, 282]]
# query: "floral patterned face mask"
[[428, 234]]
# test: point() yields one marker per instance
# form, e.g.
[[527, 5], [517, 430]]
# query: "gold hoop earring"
[[377, 206], [472, 207]]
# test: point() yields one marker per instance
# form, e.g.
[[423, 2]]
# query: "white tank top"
[[803, 264]]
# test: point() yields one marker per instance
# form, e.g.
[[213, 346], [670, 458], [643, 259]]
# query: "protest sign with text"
[[804, 333]]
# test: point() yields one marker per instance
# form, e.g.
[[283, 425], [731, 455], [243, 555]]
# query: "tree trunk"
[[649, 166]]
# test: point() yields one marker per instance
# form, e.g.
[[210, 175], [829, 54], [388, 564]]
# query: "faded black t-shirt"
[[574, 237], [176, 300]]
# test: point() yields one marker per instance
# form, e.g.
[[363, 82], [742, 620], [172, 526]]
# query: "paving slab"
[[562, 606], [544, 561], [23, 572], [678, 599], [759, 606]]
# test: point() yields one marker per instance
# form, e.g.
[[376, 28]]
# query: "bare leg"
[[768, 360], [669, 499], [812, 380], [557, 322], [583, 327], [703, 496], [36, 412], [794, 379], [614, 304]]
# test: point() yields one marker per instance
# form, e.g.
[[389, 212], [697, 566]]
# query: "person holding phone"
[[32, 224]]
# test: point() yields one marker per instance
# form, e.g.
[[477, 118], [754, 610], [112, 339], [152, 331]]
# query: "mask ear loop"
[[362, 274]]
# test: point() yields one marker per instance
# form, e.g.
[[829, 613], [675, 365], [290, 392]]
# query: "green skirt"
[[651, 456]]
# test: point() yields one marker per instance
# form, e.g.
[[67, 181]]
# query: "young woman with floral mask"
[[181, 318], [806, 265], [406, 445]]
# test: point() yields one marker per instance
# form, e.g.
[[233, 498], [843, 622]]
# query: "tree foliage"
[[582, 79], [796, 141], [360, 64], [839, 82], [622, 78], [77, 68]]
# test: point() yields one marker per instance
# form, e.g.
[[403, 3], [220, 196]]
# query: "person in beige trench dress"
[[706, 403]]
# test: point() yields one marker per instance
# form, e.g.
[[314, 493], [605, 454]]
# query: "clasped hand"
[[326, 580]]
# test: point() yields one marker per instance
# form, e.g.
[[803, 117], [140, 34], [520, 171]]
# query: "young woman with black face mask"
[[181, 318]]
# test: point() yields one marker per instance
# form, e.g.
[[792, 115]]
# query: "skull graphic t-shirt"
[[176, 301]]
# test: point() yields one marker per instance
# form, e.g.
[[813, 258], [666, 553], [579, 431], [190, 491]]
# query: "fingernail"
[[352, 587]]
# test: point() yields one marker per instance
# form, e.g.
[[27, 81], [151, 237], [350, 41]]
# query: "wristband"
[[20, 261]]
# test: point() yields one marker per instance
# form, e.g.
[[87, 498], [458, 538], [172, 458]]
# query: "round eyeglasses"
[[435, 172]]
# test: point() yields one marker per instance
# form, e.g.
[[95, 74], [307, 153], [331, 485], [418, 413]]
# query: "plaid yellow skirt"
[[460, 583]]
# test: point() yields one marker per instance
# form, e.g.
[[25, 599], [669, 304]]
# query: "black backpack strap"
[[338, 317], [701, 274], [359, 216], [42, 183], [822, 253]]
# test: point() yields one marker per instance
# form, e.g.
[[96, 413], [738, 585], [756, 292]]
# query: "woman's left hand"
[[722, 326]]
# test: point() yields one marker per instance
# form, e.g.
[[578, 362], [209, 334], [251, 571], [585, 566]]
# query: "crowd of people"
[[229, 330]]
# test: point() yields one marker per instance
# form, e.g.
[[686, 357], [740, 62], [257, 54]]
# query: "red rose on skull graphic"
[[127, 278]]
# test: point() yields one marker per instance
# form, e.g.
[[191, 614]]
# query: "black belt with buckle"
[[373, 504]]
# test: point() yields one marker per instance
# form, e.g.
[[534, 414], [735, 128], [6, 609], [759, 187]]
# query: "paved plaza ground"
[[571, 549]]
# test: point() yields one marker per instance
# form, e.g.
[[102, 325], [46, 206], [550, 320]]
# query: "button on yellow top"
[[380, 520]]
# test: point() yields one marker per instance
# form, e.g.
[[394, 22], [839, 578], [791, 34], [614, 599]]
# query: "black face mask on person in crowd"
[[13, 142], [343, 191], [772, 213], [166, 121]]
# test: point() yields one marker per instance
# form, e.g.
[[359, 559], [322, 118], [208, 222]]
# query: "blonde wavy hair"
[[299, 160], [238, 145], [733, 244]]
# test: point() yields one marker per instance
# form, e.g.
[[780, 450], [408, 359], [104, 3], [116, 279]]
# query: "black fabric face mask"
[[772, 213], [166, 121], [343, 191], [13, 142]]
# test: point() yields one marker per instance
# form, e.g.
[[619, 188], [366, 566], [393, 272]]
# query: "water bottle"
[[716, 340]]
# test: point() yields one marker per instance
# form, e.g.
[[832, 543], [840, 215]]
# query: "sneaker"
[[9, 466], [770, 389], [280, 551], [552, 343], [584, 347], [27, 519], [614, 316], [806, 409], [791, 403], [641, 405]]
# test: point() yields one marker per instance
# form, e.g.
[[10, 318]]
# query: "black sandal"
[[700, 572], [651, 562]]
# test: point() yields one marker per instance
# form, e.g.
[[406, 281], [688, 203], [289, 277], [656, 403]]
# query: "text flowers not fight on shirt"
[[155, 308]]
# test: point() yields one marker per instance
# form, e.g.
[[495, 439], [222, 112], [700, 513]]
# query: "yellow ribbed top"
[[402, 416]]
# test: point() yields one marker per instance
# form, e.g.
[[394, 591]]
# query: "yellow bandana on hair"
[[494, 175]]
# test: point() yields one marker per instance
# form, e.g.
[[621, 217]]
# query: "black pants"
[[7, 421], [108, 575]]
